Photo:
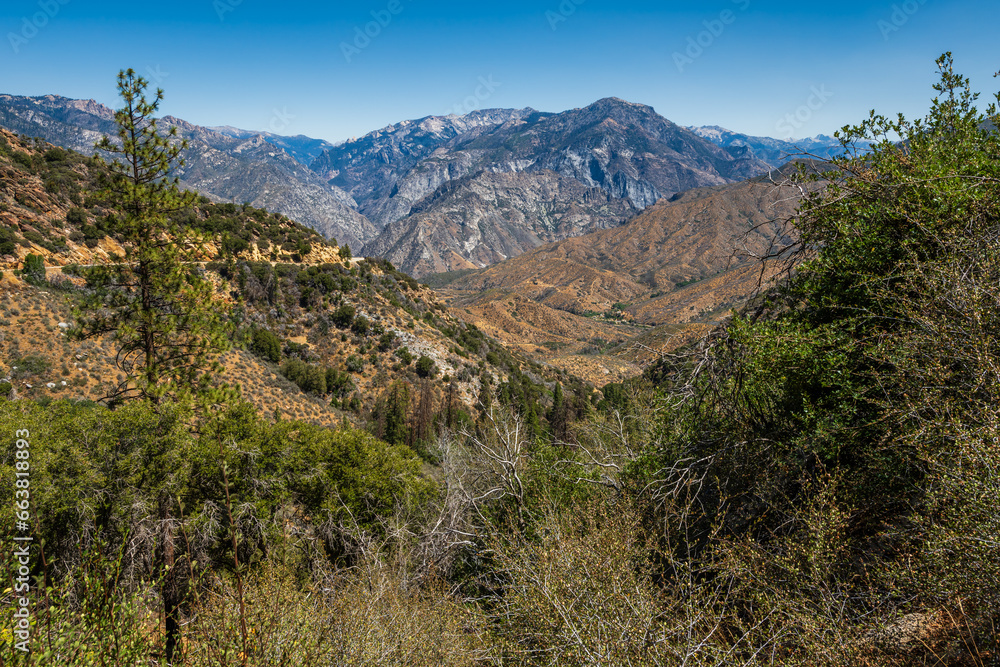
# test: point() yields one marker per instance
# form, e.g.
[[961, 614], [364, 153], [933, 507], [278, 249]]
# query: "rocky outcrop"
[[626, 149], [371, 168], [402, 177], [488, 217], [243, 168], [256, 171], [659, 261]]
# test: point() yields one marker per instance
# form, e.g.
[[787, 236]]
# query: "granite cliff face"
[[626, 151], [624, 148], [439, 193], [257, 171], [486, 218], [222, 167], [660, 260], [375, 168]]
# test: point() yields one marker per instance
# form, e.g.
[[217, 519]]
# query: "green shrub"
[[354, 364], [8, 241], [34, 270], [343, 317], [266, 345], [386, 341], [23, 159], [339, 384], [35, 237], [426, 368], [56, 154], [404, 355], [77, 216], [360, 325], [309, 378]]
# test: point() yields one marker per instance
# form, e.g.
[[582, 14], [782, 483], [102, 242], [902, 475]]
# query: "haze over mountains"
[[222, 167], [445, 193]]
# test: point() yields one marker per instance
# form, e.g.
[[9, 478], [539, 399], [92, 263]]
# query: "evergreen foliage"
[[266, 345], [33, 271], [155, 302], [814, 483]]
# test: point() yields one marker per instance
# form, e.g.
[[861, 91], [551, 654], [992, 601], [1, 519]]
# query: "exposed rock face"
[[369, 168], [479, 220], [442, 192], [222, 167], [304, 149], [646, 263], [257, 171], [624, 150], [421, 182]]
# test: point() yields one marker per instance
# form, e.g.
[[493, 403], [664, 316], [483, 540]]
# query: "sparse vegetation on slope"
[[812, 483]]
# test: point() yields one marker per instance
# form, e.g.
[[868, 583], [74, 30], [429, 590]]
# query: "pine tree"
[[390, 414], [558, 416], [153, 300], [423, 416]]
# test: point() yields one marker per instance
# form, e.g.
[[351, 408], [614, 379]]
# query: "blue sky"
[[765, 67]]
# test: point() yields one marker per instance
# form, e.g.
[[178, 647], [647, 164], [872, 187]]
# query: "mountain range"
[[446, 192], [775, 152], [224, 168], [678, 266]]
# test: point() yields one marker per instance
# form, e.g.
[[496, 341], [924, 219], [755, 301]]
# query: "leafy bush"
[[23, 159], [386, 341], [338, 384], [76, 216], [309, 378], [34, 270], [360, 325], [343, 317], [266, 345], [232, 246], [56, 154], [354, 364], [426, 368], [35, 237], [8, 241]]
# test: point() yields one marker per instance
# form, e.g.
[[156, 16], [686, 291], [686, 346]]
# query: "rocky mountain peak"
[[91, 107], [253, 143], [179, 123]]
